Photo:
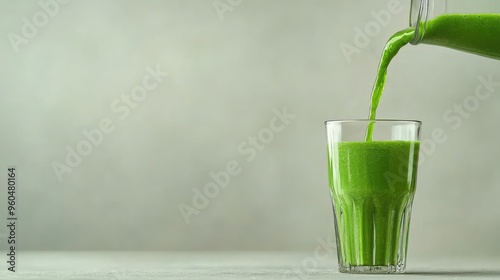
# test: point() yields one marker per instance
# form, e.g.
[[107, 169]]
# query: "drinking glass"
[[372, 185]]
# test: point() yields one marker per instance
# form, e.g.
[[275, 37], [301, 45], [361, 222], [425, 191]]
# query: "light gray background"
[[226, 77]]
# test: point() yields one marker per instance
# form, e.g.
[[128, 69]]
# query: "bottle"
[[470, 26]]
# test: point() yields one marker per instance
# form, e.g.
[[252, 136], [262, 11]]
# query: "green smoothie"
[[395, 43], [474, 33], [373, 184]]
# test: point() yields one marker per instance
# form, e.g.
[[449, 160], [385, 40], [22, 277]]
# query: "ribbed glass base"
[[376, 269]]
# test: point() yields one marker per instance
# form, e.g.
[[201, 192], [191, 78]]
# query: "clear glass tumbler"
[[372, 184]]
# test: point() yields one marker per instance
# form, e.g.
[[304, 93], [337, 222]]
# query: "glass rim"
[[373, 121]]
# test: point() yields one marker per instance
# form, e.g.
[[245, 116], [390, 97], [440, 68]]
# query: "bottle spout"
[[419, 14]]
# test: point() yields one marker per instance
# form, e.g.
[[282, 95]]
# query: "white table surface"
[[118, 265]]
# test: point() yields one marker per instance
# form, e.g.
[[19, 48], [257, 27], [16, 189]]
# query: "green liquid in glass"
[[373, 188], [373, 193]]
